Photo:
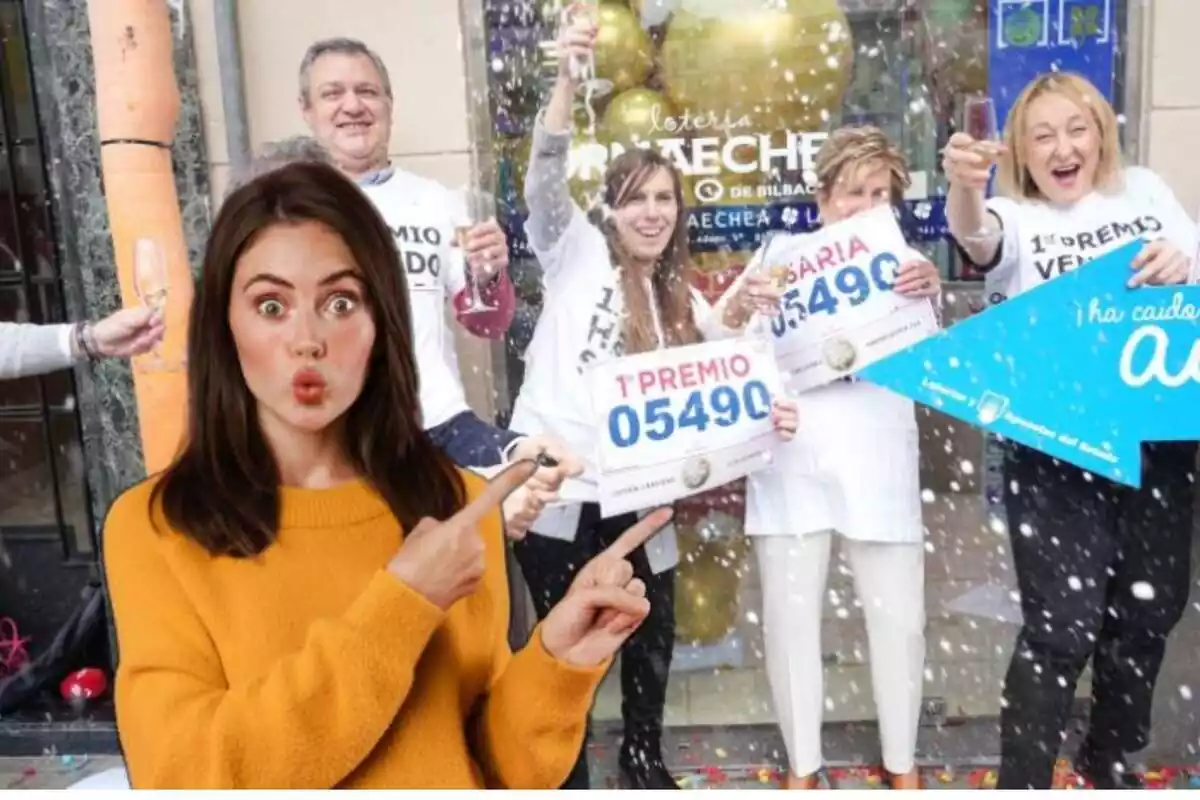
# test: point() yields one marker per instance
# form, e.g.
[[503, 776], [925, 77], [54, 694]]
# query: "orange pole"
[[137, 102]]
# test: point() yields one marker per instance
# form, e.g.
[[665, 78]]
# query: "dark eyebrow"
[[275, 280]]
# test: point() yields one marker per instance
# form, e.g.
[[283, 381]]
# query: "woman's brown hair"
[[222, 491], [670, 280]]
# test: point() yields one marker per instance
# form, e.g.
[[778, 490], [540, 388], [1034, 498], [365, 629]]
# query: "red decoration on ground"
[[88, 683]]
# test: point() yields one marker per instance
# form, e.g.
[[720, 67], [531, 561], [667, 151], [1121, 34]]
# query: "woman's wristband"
[[85, 341]]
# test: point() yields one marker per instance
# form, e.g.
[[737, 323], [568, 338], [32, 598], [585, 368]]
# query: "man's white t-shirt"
[[1042, 241], [421, 214]]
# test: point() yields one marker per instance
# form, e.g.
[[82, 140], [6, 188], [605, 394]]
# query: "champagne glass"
[[979, 122], [584, 69], [150, 273], [150, 281], [778, 272], [477, 206]]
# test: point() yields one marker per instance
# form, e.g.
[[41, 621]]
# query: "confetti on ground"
[[960, 777]]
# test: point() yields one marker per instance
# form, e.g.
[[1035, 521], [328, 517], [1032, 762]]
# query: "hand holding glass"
[[979, 122], [478, 207]]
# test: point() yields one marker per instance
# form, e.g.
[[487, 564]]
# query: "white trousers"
[[890, 581]]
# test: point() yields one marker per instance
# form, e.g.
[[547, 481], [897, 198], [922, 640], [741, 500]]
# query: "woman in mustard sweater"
[[290, 611]]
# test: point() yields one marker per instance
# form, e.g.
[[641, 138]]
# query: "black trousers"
[[1104, 573], [550, 565]]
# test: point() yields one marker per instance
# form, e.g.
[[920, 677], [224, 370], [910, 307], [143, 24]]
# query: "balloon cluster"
[[683, 70]]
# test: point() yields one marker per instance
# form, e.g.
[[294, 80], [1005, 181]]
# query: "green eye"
[[270, 308], [342, 304]]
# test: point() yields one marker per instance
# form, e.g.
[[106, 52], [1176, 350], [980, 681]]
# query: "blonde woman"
[[851, 471], [1103, 569]]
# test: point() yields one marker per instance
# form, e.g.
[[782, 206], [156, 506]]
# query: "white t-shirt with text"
[[421, 214], [1043, 241]]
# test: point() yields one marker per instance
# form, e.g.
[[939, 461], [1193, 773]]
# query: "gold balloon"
[[623, 51], [635, 115], [777, 64], [708, 578], [586, 162]]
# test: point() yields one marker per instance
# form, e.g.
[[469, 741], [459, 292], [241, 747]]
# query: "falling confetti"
[[1142, 590]]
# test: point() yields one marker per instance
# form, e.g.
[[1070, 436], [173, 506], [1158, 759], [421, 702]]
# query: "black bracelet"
[[83, 341]]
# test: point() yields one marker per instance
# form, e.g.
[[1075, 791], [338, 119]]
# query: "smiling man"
[[346, 101]]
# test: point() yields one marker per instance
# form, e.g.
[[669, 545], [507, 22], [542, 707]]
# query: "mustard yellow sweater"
[[312, 667]]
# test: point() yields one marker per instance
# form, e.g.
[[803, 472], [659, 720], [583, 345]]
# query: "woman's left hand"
[[785, 416], [1160, 263], [918, 278], [605, 603], [486, 250]]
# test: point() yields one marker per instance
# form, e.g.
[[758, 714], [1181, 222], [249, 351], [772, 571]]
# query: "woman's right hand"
[[964, 165], [759, 294], [445, 561], [576, 40], [523, 507]]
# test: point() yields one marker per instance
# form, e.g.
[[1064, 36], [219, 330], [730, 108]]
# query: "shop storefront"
[[741, 94], [48, 546]]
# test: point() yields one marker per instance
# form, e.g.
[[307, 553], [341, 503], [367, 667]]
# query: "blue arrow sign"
[[1082, 368]]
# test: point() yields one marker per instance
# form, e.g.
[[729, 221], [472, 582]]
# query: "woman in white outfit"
[[619, 286], [851, 470]]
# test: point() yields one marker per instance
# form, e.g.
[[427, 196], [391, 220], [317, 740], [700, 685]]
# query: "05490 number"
[[851, 283], [658, 421]]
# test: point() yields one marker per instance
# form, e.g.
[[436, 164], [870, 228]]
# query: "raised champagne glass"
[[476, 206], [979, 122]]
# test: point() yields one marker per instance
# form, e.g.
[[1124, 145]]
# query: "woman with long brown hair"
[[290, 609], [618, 285]]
